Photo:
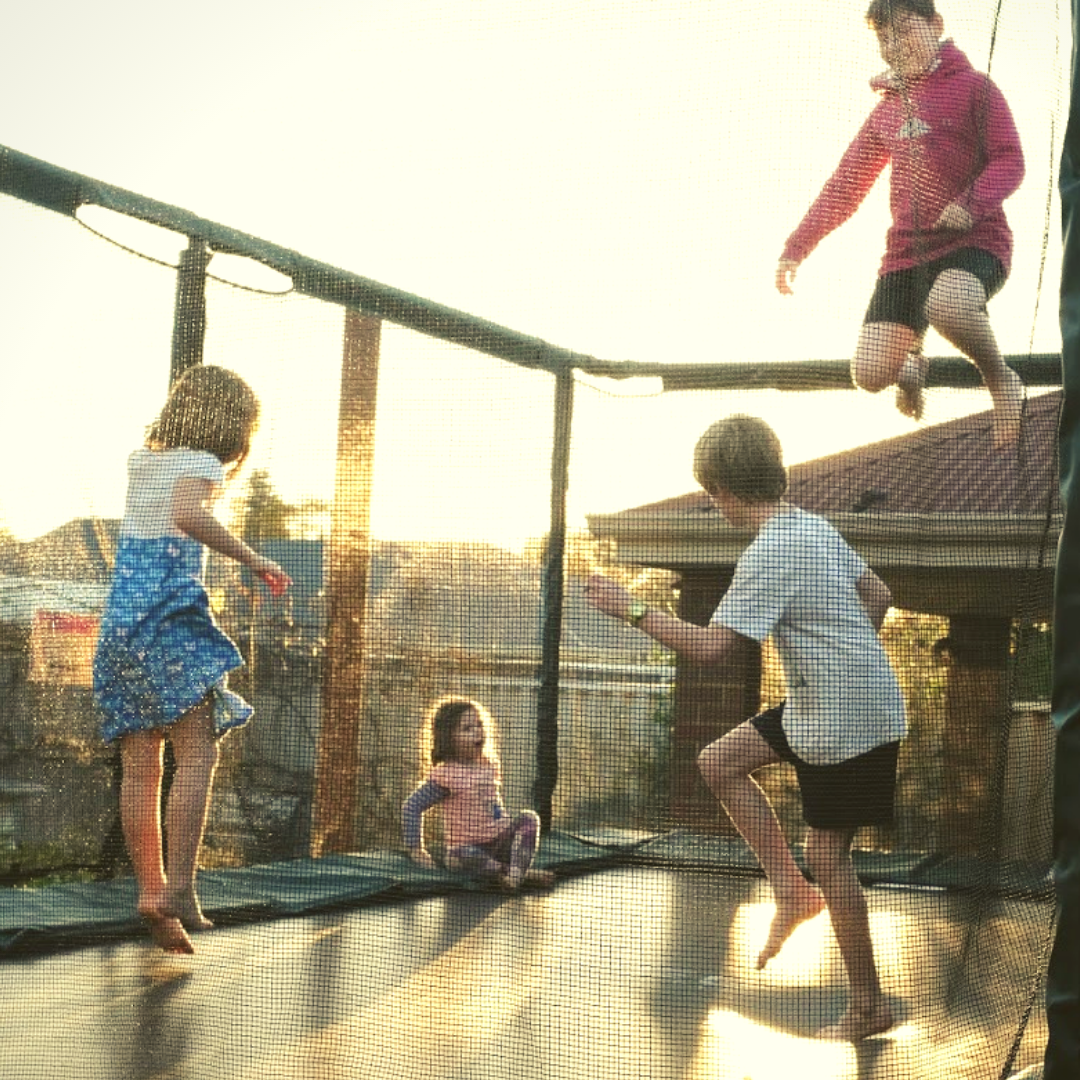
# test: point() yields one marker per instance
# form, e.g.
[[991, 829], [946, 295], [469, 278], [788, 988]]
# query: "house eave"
[[700, 538]]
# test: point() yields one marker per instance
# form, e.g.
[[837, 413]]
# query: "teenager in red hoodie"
[[956, 157]]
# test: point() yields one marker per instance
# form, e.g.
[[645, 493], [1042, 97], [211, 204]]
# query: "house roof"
[[79, 550], [951, 524], [950, 469]]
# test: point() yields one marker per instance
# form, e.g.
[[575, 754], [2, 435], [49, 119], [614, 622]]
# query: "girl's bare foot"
[[509, 882], [909, 385], [789, 915], [1008, 398], [858, 1024], [185, 907], [166, 930], [541, 879]]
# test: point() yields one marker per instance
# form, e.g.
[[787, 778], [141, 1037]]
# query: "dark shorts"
[[849, 794], [900, 297]]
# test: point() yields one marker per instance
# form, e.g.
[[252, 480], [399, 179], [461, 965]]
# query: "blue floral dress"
[[159, 651]]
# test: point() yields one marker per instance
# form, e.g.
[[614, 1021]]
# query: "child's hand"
[[422, 858], [275, 579], [956, 218], [608, 596], [785, 275]]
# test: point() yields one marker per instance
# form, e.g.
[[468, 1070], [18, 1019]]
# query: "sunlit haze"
[[616, 178]]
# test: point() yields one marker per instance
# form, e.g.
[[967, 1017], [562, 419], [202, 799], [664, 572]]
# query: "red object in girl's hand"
[[276, 583]]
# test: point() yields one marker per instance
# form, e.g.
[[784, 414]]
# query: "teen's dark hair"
[[443, 721], [881, 12]]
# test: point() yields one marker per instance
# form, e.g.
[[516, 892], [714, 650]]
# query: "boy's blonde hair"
[[742, 456], [208, 408]]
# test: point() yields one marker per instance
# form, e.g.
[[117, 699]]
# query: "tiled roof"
[[949, 468]]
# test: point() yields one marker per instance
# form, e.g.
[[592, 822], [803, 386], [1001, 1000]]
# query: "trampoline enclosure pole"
[[551, 586], [1063, 979]]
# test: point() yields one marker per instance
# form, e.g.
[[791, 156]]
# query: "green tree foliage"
[[265, 515], [584, 555]]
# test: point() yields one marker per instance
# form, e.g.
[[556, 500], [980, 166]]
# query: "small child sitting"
[[480, 838]]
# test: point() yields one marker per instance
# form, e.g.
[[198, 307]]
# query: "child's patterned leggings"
[[512, 854]]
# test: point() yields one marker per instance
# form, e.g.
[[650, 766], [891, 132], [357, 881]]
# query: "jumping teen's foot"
[[1008, 398], [858, 1024], [789, 915], [166, 930], [185, 907], [909, 385]]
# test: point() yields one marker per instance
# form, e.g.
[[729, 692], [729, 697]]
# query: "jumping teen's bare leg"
[[196, 751], [891, 353], [828, 853], [956, 308], [727, 765], [140, 816]]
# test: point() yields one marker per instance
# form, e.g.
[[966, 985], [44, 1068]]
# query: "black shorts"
[[847, 795], [900, 297]]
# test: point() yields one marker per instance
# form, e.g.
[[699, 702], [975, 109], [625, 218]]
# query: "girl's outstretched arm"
[[192, 515]]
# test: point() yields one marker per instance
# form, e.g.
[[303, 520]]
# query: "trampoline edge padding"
[[95, 912]]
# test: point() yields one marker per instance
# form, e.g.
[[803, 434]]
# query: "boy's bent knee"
[[716, 767]]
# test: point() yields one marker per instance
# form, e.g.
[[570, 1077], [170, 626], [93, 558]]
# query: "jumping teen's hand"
[[785, 275], [955, 217], [607, 596], [275, 579]]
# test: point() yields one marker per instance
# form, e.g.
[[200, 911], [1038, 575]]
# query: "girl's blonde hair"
[[208, 408], [741, 455], [441, 722]]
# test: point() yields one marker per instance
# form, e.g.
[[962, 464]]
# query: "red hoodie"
[[950, 138]]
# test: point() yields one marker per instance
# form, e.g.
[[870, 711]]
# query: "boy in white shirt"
[[800, 583]]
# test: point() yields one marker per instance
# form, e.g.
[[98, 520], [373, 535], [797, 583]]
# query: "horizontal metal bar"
[[62, 191]]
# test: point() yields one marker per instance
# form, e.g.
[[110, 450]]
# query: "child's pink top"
[[474, 812]]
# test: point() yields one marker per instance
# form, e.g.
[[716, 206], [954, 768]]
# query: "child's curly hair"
[[442, 720], [208, 408]]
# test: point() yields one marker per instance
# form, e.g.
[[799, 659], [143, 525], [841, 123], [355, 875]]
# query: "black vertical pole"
[[189, 311], [1063, 978], [551, 585]]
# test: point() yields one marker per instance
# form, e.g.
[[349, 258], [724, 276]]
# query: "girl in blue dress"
[[161, 662]]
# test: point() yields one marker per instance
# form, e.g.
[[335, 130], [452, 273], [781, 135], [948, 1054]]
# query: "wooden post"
[[973, 741], [709, 702], [337, 759], [547, 697]]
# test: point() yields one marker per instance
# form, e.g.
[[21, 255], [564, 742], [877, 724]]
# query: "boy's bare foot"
[[1008, 398], [166, 930], [909, 385], [859, 1024], [789, 915], [185, 907]]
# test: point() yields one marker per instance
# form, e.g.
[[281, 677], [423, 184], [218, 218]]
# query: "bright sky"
[[616, 177]]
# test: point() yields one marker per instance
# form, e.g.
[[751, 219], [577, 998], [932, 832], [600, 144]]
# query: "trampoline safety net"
[[620, 644]]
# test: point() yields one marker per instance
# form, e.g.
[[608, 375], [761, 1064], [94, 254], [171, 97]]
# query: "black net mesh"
[[440, 490]]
